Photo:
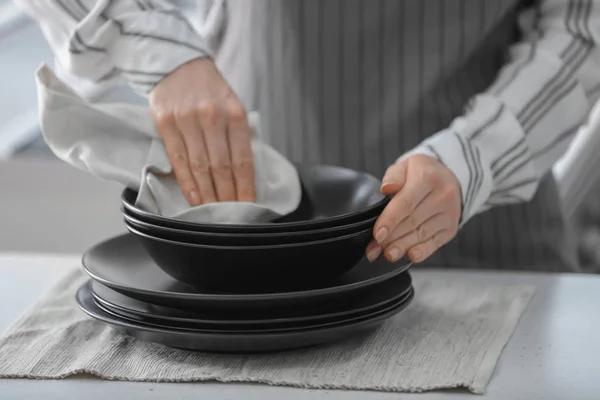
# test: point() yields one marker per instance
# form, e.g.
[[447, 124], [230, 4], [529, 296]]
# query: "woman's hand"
[[424, 213], [206, 133]]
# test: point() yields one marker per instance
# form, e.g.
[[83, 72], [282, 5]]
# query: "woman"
[[469, 103]]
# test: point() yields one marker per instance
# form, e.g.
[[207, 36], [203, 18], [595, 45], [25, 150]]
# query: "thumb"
[[394, 178]]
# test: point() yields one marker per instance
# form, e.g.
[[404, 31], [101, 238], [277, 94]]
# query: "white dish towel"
[[118, 142]]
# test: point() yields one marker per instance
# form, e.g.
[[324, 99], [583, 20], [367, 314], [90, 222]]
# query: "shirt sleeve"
[[105, 40], [511, 135]]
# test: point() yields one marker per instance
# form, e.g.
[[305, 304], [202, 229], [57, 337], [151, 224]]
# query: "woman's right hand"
[[204, 127]]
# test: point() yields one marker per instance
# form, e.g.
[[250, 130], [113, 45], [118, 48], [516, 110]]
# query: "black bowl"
[[257, 269], [245, 239], [331, 196], [122, 264]]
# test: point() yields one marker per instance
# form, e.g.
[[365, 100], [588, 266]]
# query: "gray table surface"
[[553, 354]]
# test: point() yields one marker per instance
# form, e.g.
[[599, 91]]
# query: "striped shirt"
[[494, 89]]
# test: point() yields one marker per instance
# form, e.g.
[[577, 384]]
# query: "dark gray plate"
[[305, 325], [123, 265], [236, 342], [125, 307]]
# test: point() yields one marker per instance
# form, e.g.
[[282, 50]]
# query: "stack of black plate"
[[297, 282]]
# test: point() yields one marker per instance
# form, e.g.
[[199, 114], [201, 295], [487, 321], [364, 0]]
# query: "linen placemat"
[[450, 336]]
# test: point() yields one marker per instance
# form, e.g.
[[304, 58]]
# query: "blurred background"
[[48, 206], [45, 204]]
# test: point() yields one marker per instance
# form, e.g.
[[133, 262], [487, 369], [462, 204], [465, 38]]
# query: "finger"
[[399, 247], [394, 178], [423, 251], [373, 251], [429, 207], [177, 153], [213, 126], [241, 153], [401, 206], [188, 125]]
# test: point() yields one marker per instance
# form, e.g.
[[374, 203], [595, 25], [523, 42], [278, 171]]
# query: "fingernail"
[[381, 234], [374, 253], [389, 181], [394, 254], [416, 254], [386, 186], [195, 197]]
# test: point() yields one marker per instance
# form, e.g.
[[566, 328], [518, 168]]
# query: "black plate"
[[122, 264], [245, 239], [125, 307], [331, 196], [236, 342], [257, 269], [260, 329]]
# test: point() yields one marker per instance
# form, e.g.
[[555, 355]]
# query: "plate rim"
[[381, 202], [401, 301], [136, 232], [261, 235], [284, 320], [110, 320], [232, 297]]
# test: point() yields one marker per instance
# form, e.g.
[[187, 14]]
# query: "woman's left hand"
[[424, 213]]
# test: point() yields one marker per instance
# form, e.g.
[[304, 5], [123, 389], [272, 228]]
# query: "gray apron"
[[359, 82]]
